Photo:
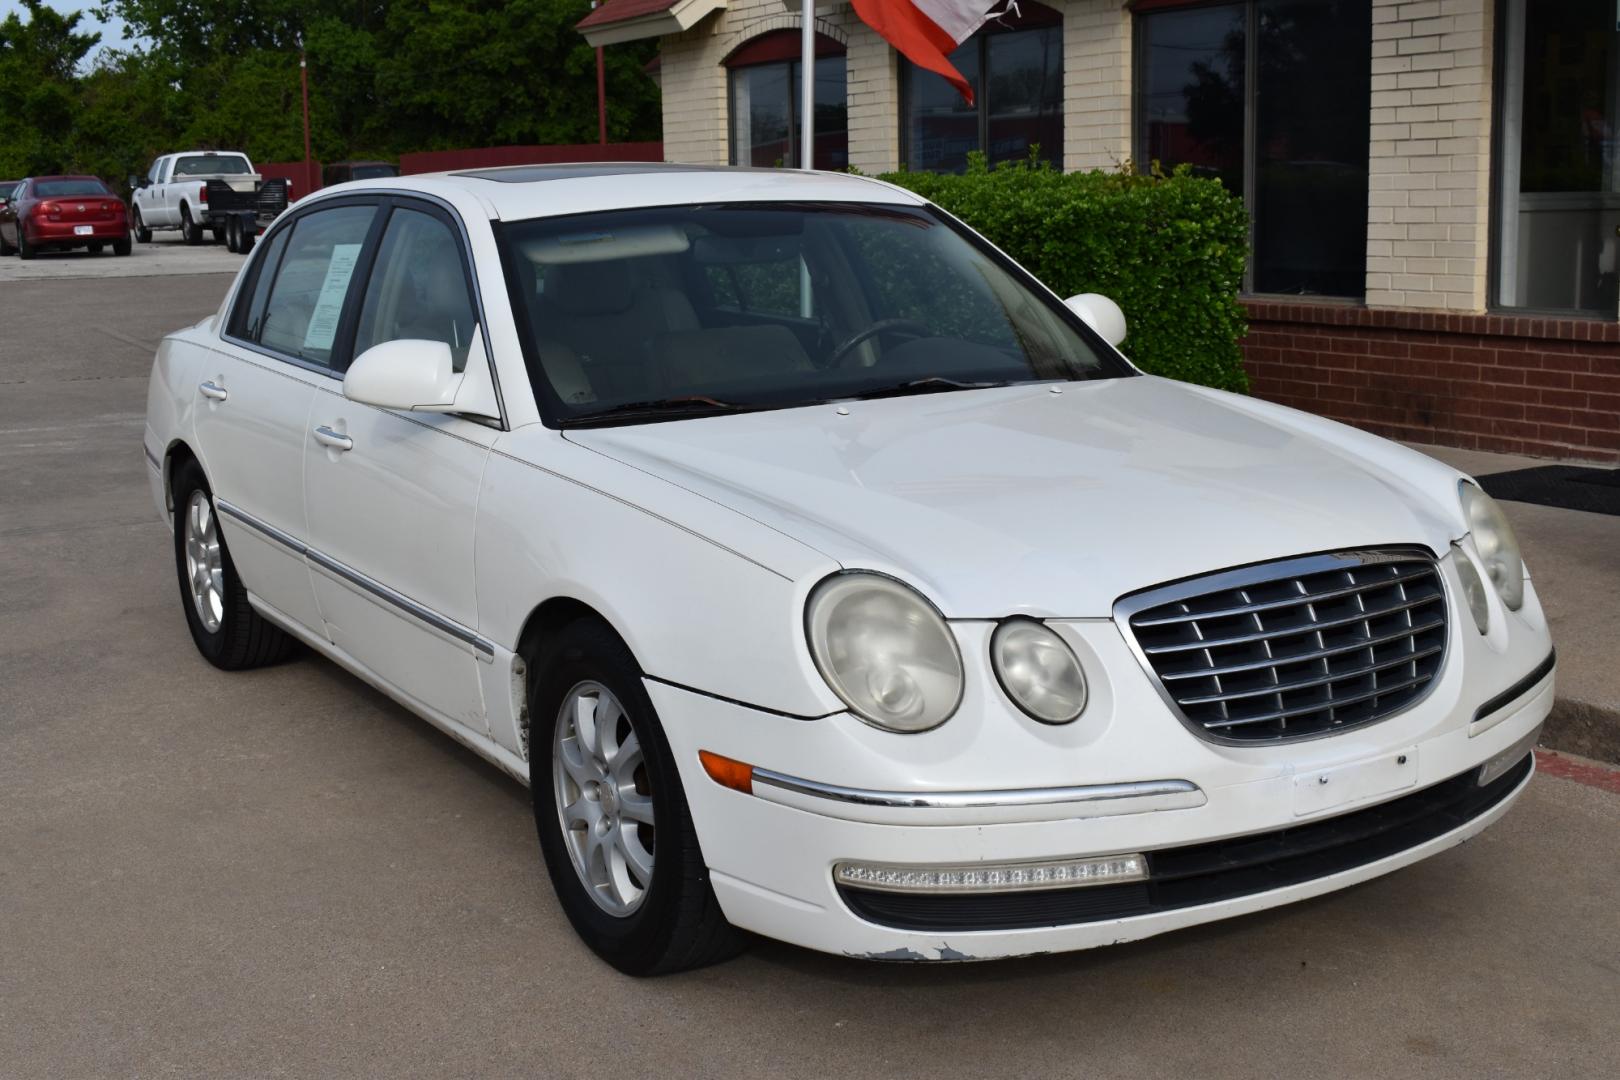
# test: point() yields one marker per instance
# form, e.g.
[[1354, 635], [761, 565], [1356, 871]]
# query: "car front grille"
[[1294, 649]]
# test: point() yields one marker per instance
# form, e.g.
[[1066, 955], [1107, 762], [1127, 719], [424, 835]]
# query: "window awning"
[[630, 20]]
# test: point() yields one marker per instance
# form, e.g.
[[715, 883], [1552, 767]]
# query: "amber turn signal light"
[[728, 773]]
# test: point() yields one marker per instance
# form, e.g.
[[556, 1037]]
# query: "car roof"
[[519, 192], [68, 176]]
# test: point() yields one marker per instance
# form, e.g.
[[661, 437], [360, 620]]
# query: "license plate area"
[[84, 230], [1316, 790]]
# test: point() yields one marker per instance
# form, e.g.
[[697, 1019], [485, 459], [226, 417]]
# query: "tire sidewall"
[[633, 942], [212, 644]]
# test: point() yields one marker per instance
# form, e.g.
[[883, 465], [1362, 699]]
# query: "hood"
[[1020, 500]]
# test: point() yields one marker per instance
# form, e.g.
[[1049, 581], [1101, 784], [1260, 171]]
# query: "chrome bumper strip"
[[399, 600], [975, 807]]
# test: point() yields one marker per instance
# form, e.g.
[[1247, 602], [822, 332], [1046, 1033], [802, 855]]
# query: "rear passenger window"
[[300, 317], [247, 319], [418, 288]]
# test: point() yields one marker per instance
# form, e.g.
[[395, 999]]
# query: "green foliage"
[[384, 78], [1169, 249], [37, 87]]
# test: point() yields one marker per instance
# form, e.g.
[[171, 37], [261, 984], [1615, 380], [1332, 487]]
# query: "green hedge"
[[1170, 250]]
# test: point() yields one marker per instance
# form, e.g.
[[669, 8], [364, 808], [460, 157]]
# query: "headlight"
[[1473, 591], [885, 651], [1038, 671], [1497, 546]]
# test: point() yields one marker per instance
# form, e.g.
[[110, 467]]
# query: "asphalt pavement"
[[281, 873]]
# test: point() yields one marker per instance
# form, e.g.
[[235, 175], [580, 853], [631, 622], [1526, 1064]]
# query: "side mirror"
[[420, 376], [1099, 313]]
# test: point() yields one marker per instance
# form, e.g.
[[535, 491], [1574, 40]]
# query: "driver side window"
[[418, 288]]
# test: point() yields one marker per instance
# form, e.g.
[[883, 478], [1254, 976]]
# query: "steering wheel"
[[909, 327]]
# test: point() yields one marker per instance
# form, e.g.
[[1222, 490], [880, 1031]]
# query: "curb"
[[1584, 728]]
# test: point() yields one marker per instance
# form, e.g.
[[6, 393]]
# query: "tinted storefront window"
[[765, 105], [1015, 66], [1272, 98], [1558, 197]]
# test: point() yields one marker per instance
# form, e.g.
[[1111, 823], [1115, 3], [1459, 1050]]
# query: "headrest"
[[590, 288]]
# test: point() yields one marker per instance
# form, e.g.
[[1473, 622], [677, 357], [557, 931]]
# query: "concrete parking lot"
[[281, 873], [165, 256]]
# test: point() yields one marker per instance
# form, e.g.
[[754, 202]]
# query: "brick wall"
[[1548, 387], [1096, 83], [1429, 160]]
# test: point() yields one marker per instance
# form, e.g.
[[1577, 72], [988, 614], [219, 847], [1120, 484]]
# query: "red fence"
[[491, 156]]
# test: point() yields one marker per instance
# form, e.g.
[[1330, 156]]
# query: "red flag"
[[925, 31]]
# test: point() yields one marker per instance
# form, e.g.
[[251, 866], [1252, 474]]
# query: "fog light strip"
[[992, 877]]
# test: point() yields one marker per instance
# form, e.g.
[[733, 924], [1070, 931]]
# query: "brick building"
[[1434, 185]]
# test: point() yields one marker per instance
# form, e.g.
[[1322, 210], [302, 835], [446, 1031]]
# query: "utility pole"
[[309, 159], [601, 92]]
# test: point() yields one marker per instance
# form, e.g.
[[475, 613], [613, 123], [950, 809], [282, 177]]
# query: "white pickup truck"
[[174, 194]]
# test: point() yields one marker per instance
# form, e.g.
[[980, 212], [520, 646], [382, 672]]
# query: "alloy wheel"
[[205, 562], [604, 798]]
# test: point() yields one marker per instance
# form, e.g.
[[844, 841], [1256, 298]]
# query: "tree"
[[38, 88]]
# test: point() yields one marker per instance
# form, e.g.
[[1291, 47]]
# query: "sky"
[[112, 33]]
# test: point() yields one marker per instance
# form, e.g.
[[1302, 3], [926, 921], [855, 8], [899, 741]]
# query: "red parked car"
[[59, 212]]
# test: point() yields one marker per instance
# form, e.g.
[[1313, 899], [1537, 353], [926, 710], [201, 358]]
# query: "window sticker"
[[329, 305]]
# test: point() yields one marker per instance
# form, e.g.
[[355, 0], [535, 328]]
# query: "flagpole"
[[807, 86]]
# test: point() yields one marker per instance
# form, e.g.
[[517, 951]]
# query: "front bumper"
[[772, 853]]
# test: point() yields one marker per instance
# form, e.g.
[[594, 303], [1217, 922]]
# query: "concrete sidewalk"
[[1574, 559]]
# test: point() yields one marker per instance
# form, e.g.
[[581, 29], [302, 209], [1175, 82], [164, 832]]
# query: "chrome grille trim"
[[1299, 648]]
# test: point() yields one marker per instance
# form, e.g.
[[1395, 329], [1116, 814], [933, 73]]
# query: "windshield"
[[67, 189], [649, 314], [212, 165]]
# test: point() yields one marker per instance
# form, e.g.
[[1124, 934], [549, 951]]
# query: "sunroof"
[[529, 174]]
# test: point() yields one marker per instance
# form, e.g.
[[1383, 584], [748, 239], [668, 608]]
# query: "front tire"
[[5, 248], [24, 248], [614, 825], [226, 629]]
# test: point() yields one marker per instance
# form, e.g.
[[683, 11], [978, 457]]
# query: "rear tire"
[[227, 631], [617, 782], [190, 231], [250, 233], [233, 233], [122, 247], [219, 234], [5, 248], [142, 233]]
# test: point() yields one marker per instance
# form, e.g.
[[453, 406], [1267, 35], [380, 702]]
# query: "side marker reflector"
[[728, 773]]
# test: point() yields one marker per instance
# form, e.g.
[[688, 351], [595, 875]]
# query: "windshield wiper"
[[934, 384], [657, 409]]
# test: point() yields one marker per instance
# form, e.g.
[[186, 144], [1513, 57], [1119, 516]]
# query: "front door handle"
[[213, 390], [334, 439]]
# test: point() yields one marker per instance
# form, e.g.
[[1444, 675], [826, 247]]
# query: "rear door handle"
[[336, 440], [214, 390]]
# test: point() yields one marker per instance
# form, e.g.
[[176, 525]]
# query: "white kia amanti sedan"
[[826, 576]]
